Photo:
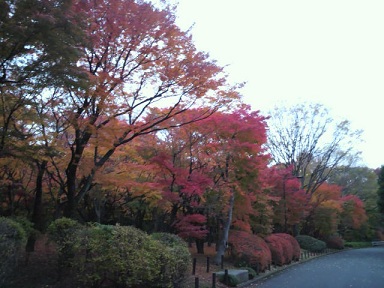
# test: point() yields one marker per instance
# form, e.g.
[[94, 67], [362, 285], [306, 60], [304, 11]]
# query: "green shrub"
[[311, 244], [65, 233], [178, 258], [357, 244], [12, 239], [251, 272], [231, 281]]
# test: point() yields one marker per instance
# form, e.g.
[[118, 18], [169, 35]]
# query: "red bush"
[[335, 242], [249, 250], [277, 251], [296, 250]]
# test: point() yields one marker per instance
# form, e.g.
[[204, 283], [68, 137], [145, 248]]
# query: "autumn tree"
[[306, 137], [137, 59], [363, 183]]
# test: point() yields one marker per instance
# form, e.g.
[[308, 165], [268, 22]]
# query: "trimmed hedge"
[[335, 242], [284, 248], [294, 244], [12, 239], [276, 245], [249, 250], [311, 244], [121, 256]]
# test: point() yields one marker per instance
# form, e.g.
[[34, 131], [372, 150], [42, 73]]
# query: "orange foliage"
[[250, 248]]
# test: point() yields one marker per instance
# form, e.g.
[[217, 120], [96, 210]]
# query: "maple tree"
[[137, 59]]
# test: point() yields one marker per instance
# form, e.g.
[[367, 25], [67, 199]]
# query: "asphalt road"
[[358, 268]]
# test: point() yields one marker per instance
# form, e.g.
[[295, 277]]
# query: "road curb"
[[280, 269]]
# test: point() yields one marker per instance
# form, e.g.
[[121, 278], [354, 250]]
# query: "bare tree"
[[307, 137]]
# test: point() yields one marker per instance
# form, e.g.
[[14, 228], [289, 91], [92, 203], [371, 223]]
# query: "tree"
[[306, 137], [138, 60], [380, 190], [363, 183]]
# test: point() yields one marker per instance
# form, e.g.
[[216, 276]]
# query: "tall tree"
[[137, 59], [306, 137]]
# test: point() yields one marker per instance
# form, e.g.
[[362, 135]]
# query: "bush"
[[311, 244], [357, 244], [65, 233], [178, 260], [121, 256], [281, 249], [335, 242], [249, 250], [251, 272], [231, 281], [12, 239], [294, 244]]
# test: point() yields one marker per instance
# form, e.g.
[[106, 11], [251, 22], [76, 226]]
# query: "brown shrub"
[[249, 250]]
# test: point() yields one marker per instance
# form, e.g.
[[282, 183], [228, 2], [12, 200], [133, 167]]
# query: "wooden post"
[[207, 264], [226, 278], [196, 282], [213, 280], [194, 266], [222, 261]]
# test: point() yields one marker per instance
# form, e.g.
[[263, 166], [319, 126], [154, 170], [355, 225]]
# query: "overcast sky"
[[329, 52]]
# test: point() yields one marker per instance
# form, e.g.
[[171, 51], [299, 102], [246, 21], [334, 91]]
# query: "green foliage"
[[231, 280], [251, 272], [311, 244], [178, 257], [120, 256], [357, 244], [65, 233], [12, 238]]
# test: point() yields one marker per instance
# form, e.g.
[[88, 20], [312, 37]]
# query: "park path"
[[356, 268]]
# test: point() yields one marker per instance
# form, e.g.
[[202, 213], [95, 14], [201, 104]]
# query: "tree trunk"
[[200, 246], [37, 214], [224, 239]]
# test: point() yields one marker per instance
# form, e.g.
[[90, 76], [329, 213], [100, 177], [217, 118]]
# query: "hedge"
[[311, 244], [249, 250], [122, 256]]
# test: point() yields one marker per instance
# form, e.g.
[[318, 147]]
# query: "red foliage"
[[250, 248], [284, 248], [192, 226], [294, 244], [276, 244]]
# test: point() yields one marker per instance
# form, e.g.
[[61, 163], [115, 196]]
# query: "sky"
[[329, 52]]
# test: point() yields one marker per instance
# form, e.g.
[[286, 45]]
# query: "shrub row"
[[119, 256], [284, 248], [311, 244], [249, 250]]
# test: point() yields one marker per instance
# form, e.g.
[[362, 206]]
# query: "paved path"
[[358, 268]]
